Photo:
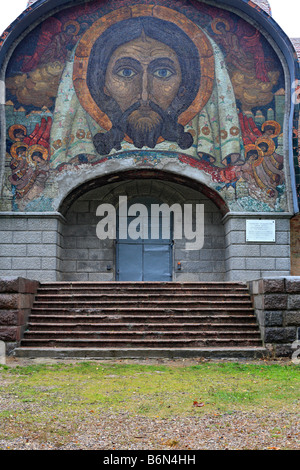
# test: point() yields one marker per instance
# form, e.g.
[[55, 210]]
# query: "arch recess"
[[128, 175]]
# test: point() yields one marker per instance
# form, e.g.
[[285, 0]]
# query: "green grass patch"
[[52, 399]]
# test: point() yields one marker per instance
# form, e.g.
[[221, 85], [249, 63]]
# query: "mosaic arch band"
[[146, 77]]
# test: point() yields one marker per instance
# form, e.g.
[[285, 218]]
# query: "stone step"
[[145, 304], [174, 311], [140, 319], [140, 335], [137, 290], [141, 316], [138, 343], [127, 326], [141, 284], [225, 352], [152, 297]]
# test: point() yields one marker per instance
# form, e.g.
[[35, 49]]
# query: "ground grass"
[[155, 389], [54, 398]]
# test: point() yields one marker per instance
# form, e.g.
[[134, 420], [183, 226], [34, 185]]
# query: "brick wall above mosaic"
[[146, 85]]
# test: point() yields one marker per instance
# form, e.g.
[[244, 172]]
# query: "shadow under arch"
[[142, 174]]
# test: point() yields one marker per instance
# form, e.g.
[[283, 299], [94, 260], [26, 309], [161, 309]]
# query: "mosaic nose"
[[144, 86]]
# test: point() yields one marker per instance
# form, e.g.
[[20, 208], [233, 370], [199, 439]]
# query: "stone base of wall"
[[277, 306], [16, 299], [295, 245]]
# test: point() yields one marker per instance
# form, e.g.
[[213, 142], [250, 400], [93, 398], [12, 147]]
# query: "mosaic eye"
[[126, 73], [163, 73]]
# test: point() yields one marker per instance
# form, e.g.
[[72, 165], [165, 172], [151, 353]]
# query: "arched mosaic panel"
[[150, 83]]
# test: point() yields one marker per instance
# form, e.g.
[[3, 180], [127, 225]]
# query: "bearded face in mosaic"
[[143, 84], [144, 72]]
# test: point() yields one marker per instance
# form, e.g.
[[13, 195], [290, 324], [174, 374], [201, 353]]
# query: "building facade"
[[187, 104]]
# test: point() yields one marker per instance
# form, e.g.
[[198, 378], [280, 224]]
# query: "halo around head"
[[201, 41], [16, 127], [216, 22], [275, 125], [38, 148], [269, 143], [14, 150]]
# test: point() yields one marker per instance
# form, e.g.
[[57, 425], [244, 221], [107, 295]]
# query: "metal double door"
[[144, 259]]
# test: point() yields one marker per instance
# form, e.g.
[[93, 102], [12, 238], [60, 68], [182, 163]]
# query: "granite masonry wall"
[[51, 247], [277, 306], [16, 298], [246, 261], [295, 245], [30, 245]]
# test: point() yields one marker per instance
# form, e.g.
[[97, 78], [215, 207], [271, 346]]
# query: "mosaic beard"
[[144, 127], [144, 124]]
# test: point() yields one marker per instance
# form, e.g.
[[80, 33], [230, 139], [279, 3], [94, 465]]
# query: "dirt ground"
[[120, 431]]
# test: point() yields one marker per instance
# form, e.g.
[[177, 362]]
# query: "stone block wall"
[[85, 257], [30, 245], [277, 306], [246, 261], [16, 299], [49, 247], [295, 245]]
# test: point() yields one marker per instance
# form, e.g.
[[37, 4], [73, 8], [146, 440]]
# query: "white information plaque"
[[260, 231]]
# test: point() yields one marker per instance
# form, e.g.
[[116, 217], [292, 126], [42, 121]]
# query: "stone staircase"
[[141, 319]]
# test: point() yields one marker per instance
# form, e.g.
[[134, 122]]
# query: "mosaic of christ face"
[[143, 70], [144, 83]]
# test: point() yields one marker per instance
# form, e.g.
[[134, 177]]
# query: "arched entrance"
[[162, 258]]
